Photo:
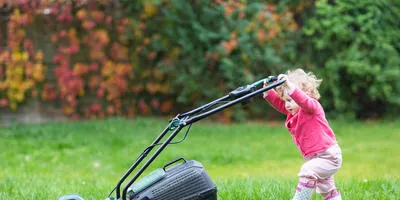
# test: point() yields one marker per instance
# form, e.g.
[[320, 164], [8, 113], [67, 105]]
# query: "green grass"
[[246, 161]]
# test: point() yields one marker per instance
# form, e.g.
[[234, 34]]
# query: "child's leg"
[[328, 190], [321, 168], [305, 189]]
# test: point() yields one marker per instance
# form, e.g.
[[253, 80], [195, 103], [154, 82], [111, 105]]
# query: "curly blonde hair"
[[307, 82]]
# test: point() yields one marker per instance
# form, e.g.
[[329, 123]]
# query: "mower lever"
[[269, 80], [243, 90], [240, 91]]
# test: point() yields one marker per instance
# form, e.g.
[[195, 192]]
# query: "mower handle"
[[172, 162], [182, 120], [238, 92]]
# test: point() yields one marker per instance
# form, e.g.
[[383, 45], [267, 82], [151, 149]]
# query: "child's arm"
[[275, 101], [305, 102]]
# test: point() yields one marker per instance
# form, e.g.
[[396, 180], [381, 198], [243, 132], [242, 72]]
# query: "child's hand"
[[265, 83], [287, 85]]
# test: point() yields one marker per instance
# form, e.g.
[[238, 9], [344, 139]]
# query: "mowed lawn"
[[246, 160]]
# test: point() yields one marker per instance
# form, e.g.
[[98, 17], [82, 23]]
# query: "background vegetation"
[[104, 58]]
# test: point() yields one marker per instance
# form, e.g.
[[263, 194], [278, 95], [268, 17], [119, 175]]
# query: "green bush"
[[208, 48], [355, 46]]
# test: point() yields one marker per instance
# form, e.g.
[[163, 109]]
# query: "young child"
[[298, 98]]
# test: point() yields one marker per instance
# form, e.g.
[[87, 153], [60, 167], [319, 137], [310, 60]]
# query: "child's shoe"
[[305, 189], [333, 195]]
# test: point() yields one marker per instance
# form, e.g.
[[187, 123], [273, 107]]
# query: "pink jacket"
[[309, 128]]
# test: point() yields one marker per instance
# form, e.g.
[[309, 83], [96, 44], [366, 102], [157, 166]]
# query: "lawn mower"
[[180, 178]]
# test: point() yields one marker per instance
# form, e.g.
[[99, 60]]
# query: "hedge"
[[108, 58]]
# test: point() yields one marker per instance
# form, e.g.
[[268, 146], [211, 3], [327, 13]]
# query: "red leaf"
[[81, 14], [3, 102], [155, 103], [88, 24], [100, 92], [95, 107], [144, 108], [110, 110], [166, 106]]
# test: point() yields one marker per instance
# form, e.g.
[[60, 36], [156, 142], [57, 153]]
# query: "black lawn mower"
[[180, 179]]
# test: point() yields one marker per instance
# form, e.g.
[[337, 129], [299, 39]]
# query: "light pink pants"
[[322, 166]]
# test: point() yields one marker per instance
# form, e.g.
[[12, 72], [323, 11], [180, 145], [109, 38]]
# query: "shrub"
[[208, 48], [355, 47], [90, 72], [22, 71]]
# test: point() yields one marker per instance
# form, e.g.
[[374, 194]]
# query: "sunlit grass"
[[247, 161]]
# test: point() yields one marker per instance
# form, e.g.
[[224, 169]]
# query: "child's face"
[[290, 105]]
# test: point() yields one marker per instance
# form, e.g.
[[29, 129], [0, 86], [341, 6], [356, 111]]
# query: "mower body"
[[184, 181]]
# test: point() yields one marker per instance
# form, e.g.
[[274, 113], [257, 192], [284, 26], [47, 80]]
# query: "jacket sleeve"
[[275, 101], [305, 102]]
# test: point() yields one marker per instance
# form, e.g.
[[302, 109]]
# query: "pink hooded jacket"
[[309, 128]]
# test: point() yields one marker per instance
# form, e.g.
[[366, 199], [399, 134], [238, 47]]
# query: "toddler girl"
[[298, 98]]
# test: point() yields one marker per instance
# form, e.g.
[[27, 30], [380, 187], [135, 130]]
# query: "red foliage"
[[92, 70], [144, 108]]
